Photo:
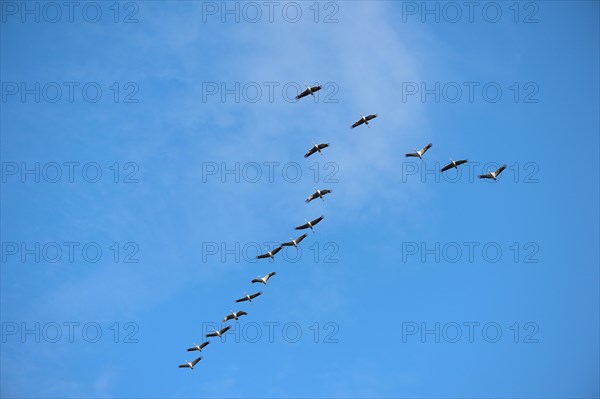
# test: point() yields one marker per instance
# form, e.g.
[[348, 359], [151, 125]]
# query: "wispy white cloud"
[[368, 65]]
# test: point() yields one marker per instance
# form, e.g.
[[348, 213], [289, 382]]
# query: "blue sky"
[[401, 251]]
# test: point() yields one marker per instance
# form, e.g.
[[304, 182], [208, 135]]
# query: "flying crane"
[[453, 164], [264, 279], [190, 365], [317, 194], [197, 347], [316, 148], [248, 298], [419, 153], [294, 243], [311, 224], [309, 90], [493, 175], [363, 119]]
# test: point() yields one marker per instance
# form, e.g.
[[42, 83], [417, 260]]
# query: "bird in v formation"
[[310, 224]]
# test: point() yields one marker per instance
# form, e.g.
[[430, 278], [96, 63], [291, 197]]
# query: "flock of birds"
[[455, 164], [310, 225], [365, 120]]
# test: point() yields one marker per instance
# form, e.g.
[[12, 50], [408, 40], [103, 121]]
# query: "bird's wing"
[[241, 299], [445, 168], [424, 149], [412, 154], [303, 94], [214, 334], [256, 294], [324, 145], [310, 152], [256, 280], [202, 345], [358, 123], [315, 88], [317, 220], [196, 360], [326, 191], [241, 313], [228, 317], [184, 366], [263, 256], [304, 226], [302, 237], [311, 197], [486, 176], [461, 162], [224, 330], [500, 169], [268, 276], [191, 350], [273, 252], [372, 116], [287, 244]]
